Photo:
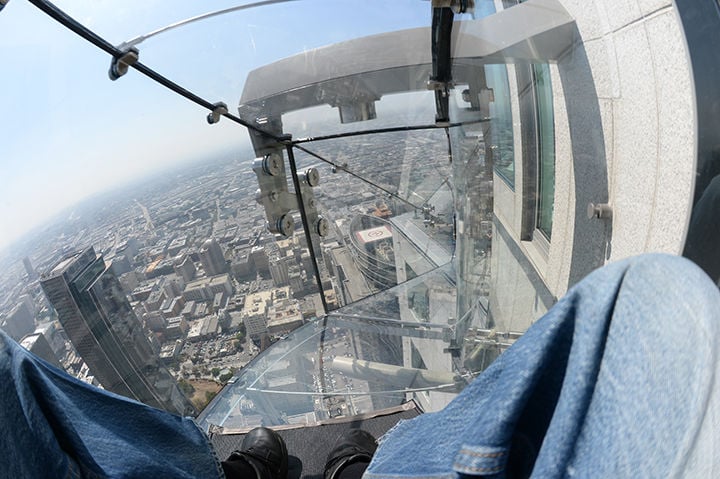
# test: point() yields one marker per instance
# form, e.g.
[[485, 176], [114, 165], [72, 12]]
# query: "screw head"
[[312, 176], [286, 225], [322, 227], [272, 164]]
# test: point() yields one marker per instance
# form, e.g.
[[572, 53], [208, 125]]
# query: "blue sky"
[[68, 131]]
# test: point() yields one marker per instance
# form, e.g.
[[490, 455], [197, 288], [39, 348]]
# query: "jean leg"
[[54, 425], [587, 390], [654, 409]]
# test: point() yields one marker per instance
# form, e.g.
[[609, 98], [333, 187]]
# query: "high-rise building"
[[32, 274], [20, 321], [105, 331], [39, 346], [185, 267], [260, 259], [212, 258], [280, 270]]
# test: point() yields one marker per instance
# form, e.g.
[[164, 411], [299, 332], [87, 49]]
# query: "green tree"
[[186, 387], [215, 372]]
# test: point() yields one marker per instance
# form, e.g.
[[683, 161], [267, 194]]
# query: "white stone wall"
[[634, 140], [639, 61]]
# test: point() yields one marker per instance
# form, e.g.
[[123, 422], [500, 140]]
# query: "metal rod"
[[361, 178], [141, 38], [70, 23], [384, 130]]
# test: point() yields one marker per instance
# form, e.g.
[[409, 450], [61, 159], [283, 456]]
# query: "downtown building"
[[105, 331], [212, 258]]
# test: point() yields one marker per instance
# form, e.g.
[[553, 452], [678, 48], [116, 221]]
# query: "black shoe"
[[353, 447], [266, 453]]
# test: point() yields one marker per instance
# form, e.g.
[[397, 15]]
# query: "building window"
[[501, 126], [538, 139], [546, 150]]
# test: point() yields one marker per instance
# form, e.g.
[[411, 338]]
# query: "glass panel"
[[388, 202], [372, 355]]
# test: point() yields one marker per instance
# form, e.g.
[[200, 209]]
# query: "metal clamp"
[[219, 110], [120, 65]]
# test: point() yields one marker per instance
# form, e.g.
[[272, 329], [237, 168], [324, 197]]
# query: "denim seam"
[[486, 470], [374, 475], [482, 454]]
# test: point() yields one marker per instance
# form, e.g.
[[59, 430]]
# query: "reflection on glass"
[[387, 199]]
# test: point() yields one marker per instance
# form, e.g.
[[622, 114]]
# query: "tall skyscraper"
[[105, 331], [32, 274], [280, 270], [185, 268], [20, 321], [39, 346], [212, 258]]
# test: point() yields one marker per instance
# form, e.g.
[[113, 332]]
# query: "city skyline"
[[151, 234]]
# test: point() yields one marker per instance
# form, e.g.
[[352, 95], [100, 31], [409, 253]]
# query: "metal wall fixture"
[[602, 211]]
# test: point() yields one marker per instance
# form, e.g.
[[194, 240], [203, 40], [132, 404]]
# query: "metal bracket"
[[120, 65], [429, 218], [441, 77], [444, 86], [273, 194], [219, 110]]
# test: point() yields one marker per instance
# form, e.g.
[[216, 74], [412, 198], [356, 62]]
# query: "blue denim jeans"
[[54, 426], [619, 379]]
